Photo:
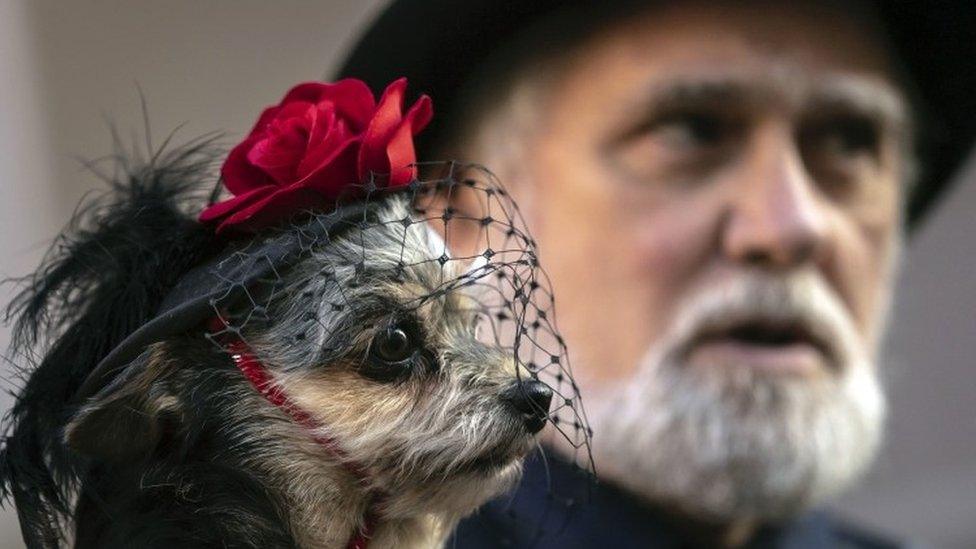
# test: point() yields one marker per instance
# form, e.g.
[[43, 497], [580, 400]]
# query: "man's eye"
[[842, 138], [676, 144], [841, 151], [691, 129]]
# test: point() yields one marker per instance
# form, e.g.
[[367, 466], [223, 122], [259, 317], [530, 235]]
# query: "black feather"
[[194, 489], [104, 276]]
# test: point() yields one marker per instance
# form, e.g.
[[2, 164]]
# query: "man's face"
[[716, 195]]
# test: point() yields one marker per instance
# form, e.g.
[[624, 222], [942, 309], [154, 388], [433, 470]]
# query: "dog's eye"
[[393, 345], [392, 353]]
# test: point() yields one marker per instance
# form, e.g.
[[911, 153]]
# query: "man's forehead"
[[822, 32], [747, 51]]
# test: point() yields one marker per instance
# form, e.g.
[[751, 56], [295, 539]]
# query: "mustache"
[[799, 305]]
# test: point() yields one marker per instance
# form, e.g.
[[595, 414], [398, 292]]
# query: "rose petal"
[[325, 130], [400, 152], [280, 153], [353, 101], [274, 208], [401, 156], [420, 113], [266, 117], [321, 119], [239, 171], [352, 98], [239, 175], [295, 109], [336, 172], [225, 208], [308, 92], [372, 154], [336, 142]]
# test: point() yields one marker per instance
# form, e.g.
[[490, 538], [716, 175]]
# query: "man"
[[718, 190]]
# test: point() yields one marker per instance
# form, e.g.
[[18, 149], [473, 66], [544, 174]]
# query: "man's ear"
[[128, 417]]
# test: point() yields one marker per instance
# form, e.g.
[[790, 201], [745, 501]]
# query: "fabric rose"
[[320, 140]]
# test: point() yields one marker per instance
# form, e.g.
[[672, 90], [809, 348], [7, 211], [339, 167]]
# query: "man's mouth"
[[780, 346]]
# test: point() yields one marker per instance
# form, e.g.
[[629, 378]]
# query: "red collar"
[[261, 379]]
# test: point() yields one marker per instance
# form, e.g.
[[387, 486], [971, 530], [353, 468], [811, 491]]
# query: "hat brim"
[[222, 279]]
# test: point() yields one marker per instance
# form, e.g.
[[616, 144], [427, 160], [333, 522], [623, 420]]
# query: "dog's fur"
[[181, 451]]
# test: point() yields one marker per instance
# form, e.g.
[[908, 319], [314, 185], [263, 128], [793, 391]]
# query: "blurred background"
[[66, 68]]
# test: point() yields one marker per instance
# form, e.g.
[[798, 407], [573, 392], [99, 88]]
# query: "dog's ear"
[[127, 418]]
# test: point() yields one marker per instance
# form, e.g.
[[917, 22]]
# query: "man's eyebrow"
[[702, 91], [874, 99]]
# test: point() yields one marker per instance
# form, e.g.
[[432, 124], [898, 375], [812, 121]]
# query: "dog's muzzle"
[[531, 400]]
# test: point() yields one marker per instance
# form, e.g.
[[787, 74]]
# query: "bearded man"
[[720, 191]]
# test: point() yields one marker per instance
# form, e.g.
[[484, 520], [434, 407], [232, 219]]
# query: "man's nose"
[[776, 218]]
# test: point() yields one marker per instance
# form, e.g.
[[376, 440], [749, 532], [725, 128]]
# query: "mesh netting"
[[456, 239]]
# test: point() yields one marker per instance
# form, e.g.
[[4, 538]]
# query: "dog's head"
[[402, 349]]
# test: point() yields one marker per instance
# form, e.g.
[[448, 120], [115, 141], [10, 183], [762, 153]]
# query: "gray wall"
[[924, 485], [65, 66]]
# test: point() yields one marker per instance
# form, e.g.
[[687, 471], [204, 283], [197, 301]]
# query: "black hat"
[[437, 44]]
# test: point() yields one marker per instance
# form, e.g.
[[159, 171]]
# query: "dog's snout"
[[531, 399]]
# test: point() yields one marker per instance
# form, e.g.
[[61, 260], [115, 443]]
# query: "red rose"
[[318, 141]]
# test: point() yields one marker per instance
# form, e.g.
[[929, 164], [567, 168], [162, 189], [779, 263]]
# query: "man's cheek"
[[862, 270], [677, 238]]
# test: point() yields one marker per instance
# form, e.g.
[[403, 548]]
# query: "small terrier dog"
[[378, 414]]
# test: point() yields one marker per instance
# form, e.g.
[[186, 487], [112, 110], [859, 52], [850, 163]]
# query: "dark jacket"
[[556, 506]]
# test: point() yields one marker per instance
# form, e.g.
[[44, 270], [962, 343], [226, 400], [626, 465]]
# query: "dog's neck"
[[332, 500], [328, 506]]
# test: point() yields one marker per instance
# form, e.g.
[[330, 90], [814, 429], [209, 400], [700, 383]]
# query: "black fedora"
[[437, 43]]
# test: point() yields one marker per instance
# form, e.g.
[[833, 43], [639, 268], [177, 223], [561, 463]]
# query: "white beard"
[[733, 442]]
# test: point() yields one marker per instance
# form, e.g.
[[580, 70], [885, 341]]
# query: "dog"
[[351, 402]]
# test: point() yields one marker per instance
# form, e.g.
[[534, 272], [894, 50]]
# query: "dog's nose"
[[531, 399]]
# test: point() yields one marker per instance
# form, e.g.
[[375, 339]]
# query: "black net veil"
[[458, 229]]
